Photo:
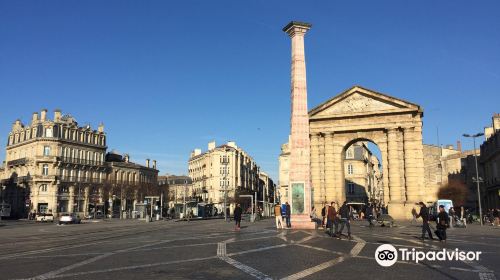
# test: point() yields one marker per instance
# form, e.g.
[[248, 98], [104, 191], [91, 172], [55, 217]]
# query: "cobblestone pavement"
[[213, 250]]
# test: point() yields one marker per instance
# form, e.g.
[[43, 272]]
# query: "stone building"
[[490, 161], [266, 193], [363, 177], [58, 166], [441, 164], [225, 168], [179, 187]]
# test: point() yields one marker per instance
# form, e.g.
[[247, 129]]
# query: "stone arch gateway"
[[393, 124]]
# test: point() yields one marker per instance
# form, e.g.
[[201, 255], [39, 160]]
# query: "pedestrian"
[[424, 214], [323, 215], [463, 216], [228, 214], [451, 214], [369, 215], [277, 215], [331, 219], [345, 214], [237, 216], [314, 217], [287, 215], [442, 223], [496, 217]]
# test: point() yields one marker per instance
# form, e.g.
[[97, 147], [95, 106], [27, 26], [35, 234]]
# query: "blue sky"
[[166, 77]]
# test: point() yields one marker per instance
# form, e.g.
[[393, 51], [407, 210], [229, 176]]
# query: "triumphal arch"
[[360, 114]]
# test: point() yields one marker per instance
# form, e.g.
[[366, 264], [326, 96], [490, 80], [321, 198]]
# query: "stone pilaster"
[[410, 156], [419, 161], [322, 168], [329, 168], [385, 166], [338, 173], [394, 167]]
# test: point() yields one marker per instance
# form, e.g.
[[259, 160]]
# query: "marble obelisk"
[[299, 186]]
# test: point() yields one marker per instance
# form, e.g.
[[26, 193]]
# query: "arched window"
[[43, 188]]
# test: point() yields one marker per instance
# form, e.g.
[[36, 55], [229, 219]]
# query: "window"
[[350, 188], [48, 132], [46, 151], [45, 170], [349, 153], [350, 169], [43, 188]]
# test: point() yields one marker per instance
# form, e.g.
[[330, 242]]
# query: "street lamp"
[[477, 179]]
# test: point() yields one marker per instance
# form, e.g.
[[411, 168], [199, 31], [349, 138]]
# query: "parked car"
[[44, 217], [69, 218]]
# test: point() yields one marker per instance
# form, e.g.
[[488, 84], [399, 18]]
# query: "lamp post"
[[478, 180]]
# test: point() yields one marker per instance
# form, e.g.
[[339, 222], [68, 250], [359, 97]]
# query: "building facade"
[[363, 174], [224, 170], [490, 161], [58, 166]]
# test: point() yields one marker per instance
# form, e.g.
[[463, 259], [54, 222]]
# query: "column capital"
[[297, 27]]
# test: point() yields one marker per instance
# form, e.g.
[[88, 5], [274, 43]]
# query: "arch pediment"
[[358, 101]]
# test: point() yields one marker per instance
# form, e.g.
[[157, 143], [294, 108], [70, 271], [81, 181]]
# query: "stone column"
[[322, 169], [411, 174], [315, 170], [394, 174], [300, 166], [71, 202], [338, 172], [385, 166], [329, 168], [86, 198], [419, 161]]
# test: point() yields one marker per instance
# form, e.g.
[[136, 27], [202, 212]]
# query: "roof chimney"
[[459, 145], [101, 127], [154, 163], [57, 115], [211, 145], [147, 162], [34, 119], [43, 115]]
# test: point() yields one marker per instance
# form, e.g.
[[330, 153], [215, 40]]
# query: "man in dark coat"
[[345, 215], [424, 214], [442, 223], [237, 216], [288, 213]]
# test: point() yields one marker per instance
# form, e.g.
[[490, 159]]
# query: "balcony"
[[21, 161], [76, 179], [80, 161]]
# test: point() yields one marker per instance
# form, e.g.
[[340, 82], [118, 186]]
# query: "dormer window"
[[48, 132]]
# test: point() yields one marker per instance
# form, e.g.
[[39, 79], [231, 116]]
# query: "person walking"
[[237, 216], [288, 213], [345, 214], [442, 223], [451, 215], [369, 215], [323, 215], [331, 218], [496, 217], [463, 216], [424, 214], [277, 216]]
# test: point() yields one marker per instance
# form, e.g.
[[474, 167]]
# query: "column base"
[[302, 221], [402, 210]]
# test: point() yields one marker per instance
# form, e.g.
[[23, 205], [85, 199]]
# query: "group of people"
[[442, 222], [282, 215], [335, 214], [492, 217]]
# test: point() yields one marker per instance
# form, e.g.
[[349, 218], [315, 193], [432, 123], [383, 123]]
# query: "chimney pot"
[[43, 115], [147, 162]]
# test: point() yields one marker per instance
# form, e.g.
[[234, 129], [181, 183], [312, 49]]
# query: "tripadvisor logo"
[[387, 255]]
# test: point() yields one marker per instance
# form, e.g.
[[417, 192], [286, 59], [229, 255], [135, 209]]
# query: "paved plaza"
[[210, 249]]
